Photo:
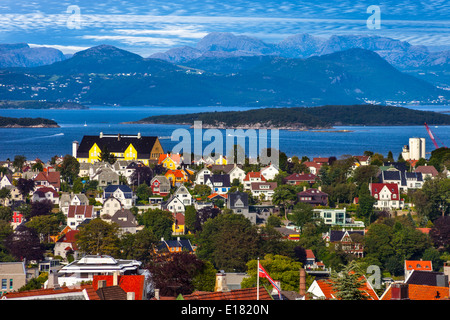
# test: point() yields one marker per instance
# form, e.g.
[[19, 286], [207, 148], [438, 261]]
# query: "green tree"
[[280, 268], [19, 161], [349, 283], [302, 213], [158, 221], [69, 168], [45, 226], [234, 230], [143, 192], [190, 217], [99, 237], [138, 246], [284, 196], [106, 156]]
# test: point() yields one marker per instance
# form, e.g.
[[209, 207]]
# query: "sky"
[[149, 26]]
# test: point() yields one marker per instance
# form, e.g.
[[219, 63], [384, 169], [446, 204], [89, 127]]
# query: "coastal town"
[[123, 219]]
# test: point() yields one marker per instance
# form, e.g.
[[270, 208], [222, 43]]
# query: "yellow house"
[[122, 147], [170, 161], [221, 160], [178, 225]]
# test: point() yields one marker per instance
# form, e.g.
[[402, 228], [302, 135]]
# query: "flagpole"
[[257, 281]]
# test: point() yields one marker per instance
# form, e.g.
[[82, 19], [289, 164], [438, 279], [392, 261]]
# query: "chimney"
[[302, 287], [118, 137], [320, 188], [304, 188], [131, 296], [101, 135], [139, 135], [157, 294], [53, 280], [115, 278], [221, 282], [399, 291], [447, 268], [101, 284], [74, 148], [441, 280]]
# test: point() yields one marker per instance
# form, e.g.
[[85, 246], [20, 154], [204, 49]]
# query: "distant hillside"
[[7, 122], [21, 55], [34, 104], [108, 75], [104, 59], [301, 118]]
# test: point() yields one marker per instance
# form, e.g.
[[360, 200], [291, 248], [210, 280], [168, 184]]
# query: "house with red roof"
[[67, 244], [46, 193], [420, 265], [387, 196], [313, 167], [48, 179], [251, 177], [77, 214], [298, 178], [314, 197], [80, 292], [405, 291], [427, 171], [323, 289], [134, 284], [321, 160]]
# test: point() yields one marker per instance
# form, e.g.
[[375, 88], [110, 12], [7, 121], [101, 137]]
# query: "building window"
[[3, 284]]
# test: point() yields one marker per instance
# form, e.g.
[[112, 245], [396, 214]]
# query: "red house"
[[160, 185], [298, 178]]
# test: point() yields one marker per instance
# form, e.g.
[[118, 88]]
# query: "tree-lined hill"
[[306, 118]]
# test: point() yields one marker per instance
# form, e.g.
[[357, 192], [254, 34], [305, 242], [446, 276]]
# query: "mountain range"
[[225, 69], [401, 54]]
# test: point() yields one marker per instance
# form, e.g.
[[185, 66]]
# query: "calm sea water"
[[44, 143]]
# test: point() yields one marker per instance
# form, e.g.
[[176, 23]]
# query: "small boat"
[[85, 125]]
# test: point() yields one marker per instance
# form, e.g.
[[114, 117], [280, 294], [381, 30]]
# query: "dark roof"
[[183, 243], [143, 145], [235, 196], [397, 165], [427, 278], [109, 190], [336, 235], [112, 293], [402, 176], [224, 178]]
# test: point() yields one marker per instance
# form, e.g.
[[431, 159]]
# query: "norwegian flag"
[[263, 273]]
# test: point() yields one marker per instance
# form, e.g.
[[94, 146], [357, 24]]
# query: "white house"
[[46, 193], [270, 172], [90, 265], [5, 181], [200, 177], [71, 199], [263, 188], [174, 204], [387, 196], [77, 214], [121, 192], [184, 195], [252, 177], [110, 207]]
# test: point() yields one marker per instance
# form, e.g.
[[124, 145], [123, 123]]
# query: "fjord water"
[[44, 143]]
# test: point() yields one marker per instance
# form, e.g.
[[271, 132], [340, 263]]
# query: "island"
[[7, 122], [305, 118], [37, 104]]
